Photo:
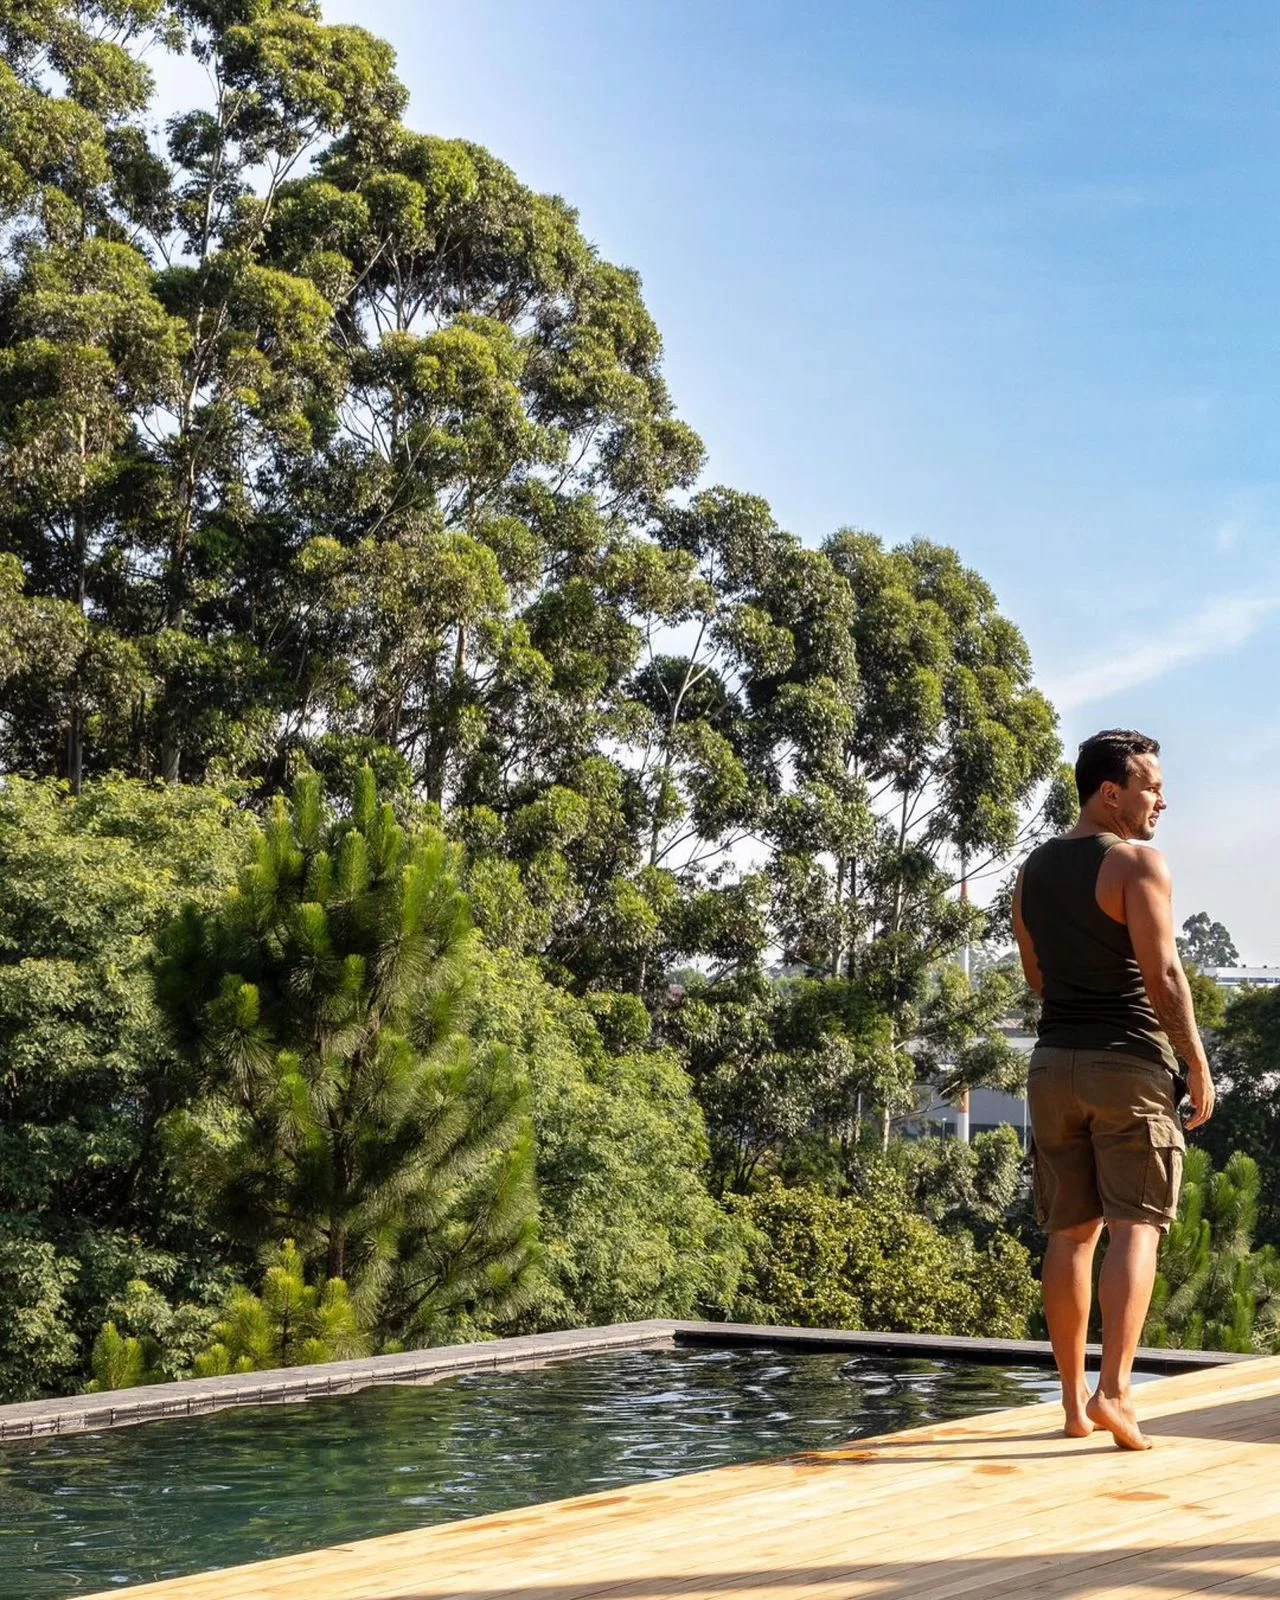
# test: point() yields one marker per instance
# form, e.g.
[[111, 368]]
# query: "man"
[[1093, 917]]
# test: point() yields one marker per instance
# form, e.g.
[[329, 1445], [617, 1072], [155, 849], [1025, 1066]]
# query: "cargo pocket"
[[1162, 1180]]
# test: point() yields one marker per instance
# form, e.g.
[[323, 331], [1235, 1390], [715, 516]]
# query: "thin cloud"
[[1229, 535], [1218, 627]]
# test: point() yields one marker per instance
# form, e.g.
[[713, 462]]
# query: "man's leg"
[[1124, 1293], [1067, 1283]]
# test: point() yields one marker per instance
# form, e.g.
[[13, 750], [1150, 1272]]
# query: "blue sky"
[[1003, 275]]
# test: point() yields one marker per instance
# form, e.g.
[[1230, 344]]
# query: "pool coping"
[[197, 1396]]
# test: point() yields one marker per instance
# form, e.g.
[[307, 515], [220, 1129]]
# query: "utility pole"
[[966, 961]]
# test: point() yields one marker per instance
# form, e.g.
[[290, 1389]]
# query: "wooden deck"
[[1001, 1506]]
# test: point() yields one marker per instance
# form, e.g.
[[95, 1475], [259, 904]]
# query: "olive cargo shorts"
[[1106, 1136]]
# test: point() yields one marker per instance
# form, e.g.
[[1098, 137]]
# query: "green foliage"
[[816, 1260], [1214, 1291], [290, 1324], [87, 1199], [1245, 1055], [961, 1186], [39, 1345], [119, 1361], [784, 1067], [1208, 1000], [148, 1340], [323, 1004], [627, 1227]]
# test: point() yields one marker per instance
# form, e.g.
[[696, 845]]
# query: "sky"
[[998, 275]]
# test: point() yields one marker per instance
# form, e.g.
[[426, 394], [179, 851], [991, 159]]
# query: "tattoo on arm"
[[1174, 1012]]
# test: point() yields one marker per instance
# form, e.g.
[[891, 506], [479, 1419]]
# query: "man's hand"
[[1203, 1096]]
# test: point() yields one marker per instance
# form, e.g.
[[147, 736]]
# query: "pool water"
[[127, 1505]]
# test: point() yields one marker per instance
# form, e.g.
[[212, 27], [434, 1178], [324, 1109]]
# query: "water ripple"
[[132, 1505]]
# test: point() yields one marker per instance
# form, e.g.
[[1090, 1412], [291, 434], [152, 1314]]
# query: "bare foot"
[[1077, 1425], [1116, 1414]]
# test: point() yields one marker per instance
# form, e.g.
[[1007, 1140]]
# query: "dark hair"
[[1107, 757]]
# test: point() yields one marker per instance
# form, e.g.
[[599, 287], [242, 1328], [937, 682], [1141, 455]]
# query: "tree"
[[1245, 1055], [627, 1227], [782, 1070], [39, 1343], [1214, 1291], [89, 1198], [506, 432], [1208, 1001], [323, 1002], [156, 369], [291, 1324], [1204, 943], [84, 346], [955, 757], [957, 1186]]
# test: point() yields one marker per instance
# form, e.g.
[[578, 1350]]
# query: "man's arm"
[[1148, 911], [1030, 964]]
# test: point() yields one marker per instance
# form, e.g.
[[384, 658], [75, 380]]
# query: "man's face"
[[1139, 804]]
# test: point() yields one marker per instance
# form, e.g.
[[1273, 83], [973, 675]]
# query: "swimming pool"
[[127, 1505]]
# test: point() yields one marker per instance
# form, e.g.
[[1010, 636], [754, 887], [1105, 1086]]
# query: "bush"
[[291, 1324], [816, 1260]]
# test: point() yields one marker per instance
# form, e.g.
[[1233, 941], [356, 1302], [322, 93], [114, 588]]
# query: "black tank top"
[[1094, 997]]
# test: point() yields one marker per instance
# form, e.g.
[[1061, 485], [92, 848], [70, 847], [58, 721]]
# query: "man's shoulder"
[[1139, 863]]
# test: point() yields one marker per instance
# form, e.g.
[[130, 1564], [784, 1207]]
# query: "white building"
[[1243, 977], [987, 1108]]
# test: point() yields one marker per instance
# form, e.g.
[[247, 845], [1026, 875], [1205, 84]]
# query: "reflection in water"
[[169, 1498]]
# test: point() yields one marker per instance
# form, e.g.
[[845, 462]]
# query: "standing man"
[[1093, 916]]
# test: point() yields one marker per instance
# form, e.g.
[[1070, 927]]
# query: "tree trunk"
[[336, 1261], [75, 719], [75, 744]]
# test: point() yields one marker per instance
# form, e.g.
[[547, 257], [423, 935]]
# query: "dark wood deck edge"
[[196, 1396], [1004, 1352]]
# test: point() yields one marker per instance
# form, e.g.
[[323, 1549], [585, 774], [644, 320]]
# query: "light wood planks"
[[999, 1507]]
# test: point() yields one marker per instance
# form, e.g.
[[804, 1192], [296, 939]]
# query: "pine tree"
[[121, 1361], [325, 1003], [1213, 1290], [290, 1324]]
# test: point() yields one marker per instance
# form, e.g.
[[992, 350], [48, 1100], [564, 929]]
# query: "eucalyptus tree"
[[952, 758], [475, 560], [84, 346], [156, 367], [1206, 943]]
